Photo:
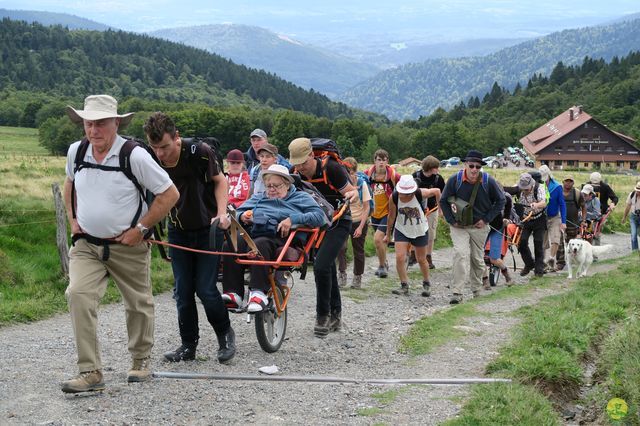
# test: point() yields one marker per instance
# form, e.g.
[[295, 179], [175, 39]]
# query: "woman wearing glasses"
[[268, 217]]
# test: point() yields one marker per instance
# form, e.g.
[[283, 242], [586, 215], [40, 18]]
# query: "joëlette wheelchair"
[[271, 323]]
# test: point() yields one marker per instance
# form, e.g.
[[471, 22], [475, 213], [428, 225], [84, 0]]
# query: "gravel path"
[[36, 357]]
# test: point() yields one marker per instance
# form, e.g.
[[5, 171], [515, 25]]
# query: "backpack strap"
[[198, 159]]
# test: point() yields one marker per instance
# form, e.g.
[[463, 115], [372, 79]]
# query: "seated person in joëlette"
[[268, 217]]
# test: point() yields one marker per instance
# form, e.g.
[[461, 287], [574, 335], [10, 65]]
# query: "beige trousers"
[[129, 267], [468, 257]]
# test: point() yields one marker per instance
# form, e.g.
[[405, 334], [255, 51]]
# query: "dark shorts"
[[421, 241], [379, 224]]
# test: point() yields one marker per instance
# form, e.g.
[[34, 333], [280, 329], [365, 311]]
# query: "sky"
[[443, 19]]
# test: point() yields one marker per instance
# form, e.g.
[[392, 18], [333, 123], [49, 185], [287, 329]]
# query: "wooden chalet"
[[413, 162], [577, 140]]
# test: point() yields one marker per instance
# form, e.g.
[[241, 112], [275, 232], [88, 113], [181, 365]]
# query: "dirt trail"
[[36, 357]]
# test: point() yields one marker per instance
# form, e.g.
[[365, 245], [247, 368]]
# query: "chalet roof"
[[558, 127], [408, 161]]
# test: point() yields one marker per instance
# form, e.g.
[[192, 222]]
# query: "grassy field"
[[31, 284]]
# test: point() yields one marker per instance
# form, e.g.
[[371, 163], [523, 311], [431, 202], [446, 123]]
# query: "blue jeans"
[[634, 221], [196, 273]]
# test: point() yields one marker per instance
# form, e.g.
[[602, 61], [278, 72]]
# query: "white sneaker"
[[257, 301], [232, 300]]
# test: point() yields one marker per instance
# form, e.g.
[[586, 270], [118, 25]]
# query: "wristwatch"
[[143, 229]]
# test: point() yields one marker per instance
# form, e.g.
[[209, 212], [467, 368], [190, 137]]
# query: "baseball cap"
[[587, 189], [595, 177], [271, 149], [569, 178], [299, 150], [258, 133], [235, 155]]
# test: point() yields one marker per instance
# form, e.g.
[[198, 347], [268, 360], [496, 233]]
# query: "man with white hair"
[[109, 223], [556, 216]]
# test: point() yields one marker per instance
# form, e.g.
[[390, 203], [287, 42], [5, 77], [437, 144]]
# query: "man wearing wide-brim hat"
[[109, 222], [485, 200]]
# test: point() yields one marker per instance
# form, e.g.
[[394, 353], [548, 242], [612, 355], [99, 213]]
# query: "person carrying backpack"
[[383, 179], [109, 223], [574, 203], [428, 177], [203, 198], [359, 215], [632, 209], [531, 205], [556, 215], [469, 202], [331, 178], [410, 228]]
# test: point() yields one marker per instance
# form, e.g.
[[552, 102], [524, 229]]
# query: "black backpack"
[[193, 144], [146, 196], [317, 196]]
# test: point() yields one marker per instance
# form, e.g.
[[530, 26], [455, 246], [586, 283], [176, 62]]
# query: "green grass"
[[20, 141], [506, 404], [31, 283]]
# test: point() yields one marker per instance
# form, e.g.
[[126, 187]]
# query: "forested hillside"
[[302, 64], [50, 18], [75, 63], [418, 89]]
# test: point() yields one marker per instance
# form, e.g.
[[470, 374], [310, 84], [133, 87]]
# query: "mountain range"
[[51, 18], [305, 65], [416, 90]]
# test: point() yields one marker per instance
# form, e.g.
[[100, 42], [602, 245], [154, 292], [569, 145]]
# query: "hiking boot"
[[403, 290], [335, 321], [560, 267], [382, 272], [226, 346], [476, 293], [321, 329], [525, 271], [140, 371], [342, 279], [507, 277], [357, 281], [539, 274], [455, 299], [426, 289], [485, 283], [87, 381], [183, 353], [430, 262]]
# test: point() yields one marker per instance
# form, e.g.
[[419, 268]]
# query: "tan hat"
[[587, 189], [638, 186], [278, 170], [569, 178], [99, 107], [299, 150], [545, 172], [271, 149]]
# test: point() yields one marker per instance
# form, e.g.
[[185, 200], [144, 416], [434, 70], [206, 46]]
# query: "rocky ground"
[[36, 357]]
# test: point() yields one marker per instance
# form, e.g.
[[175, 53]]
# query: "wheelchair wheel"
[[271, 327], [494, 275]]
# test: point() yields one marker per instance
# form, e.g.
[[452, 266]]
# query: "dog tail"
[[597, 250]]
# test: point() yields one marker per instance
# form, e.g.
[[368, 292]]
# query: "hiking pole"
[[326, 379]]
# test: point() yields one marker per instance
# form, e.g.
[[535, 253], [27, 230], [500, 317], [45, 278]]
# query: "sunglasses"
[[474, 166]]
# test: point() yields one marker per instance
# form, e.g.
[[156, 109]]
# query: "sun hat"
[[595, 177], [235, 155], [526, 181], [299, 150], [278, 170], [638, 186], [271, 149], [545, 172], [258, 133], [406, 185], [474, 156], [587, 189], [98, 107]]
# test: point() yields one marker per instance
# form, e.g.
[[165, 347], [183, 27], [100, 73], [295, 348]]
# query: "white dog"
[[579, 253]]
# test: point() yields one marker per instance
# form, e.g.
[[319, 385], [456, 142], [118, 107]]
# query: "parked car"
[[493, 162], [454, 161]]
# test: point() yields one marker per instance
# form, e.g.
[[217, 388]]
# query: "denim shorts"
[[379, 224]]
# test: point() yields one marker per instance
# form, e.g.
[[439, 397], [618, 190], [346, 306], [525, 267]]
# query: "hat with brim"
[[474, 156], [587, 189], [98, 107], [406, 185], [299, 150], [526, 182], [638, 186], [271, 149], [278, 170]]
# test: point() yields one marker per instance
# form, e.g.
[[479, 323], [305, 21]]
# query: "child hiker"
[[410, 227]]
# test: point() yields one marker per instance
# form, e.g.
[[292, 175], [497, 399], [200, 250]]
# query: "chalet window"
[[557, 163], [633, 165], [620, 164], [584, 148], [608, 149], [584, 136], [620, 149], [585, 165], [571, 148], [595, 147], [570, 163], [559, 148]]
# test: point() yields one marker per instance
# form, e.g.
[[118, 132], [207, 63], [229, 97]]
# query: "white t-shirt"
[[410, 219], [107, 201]]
